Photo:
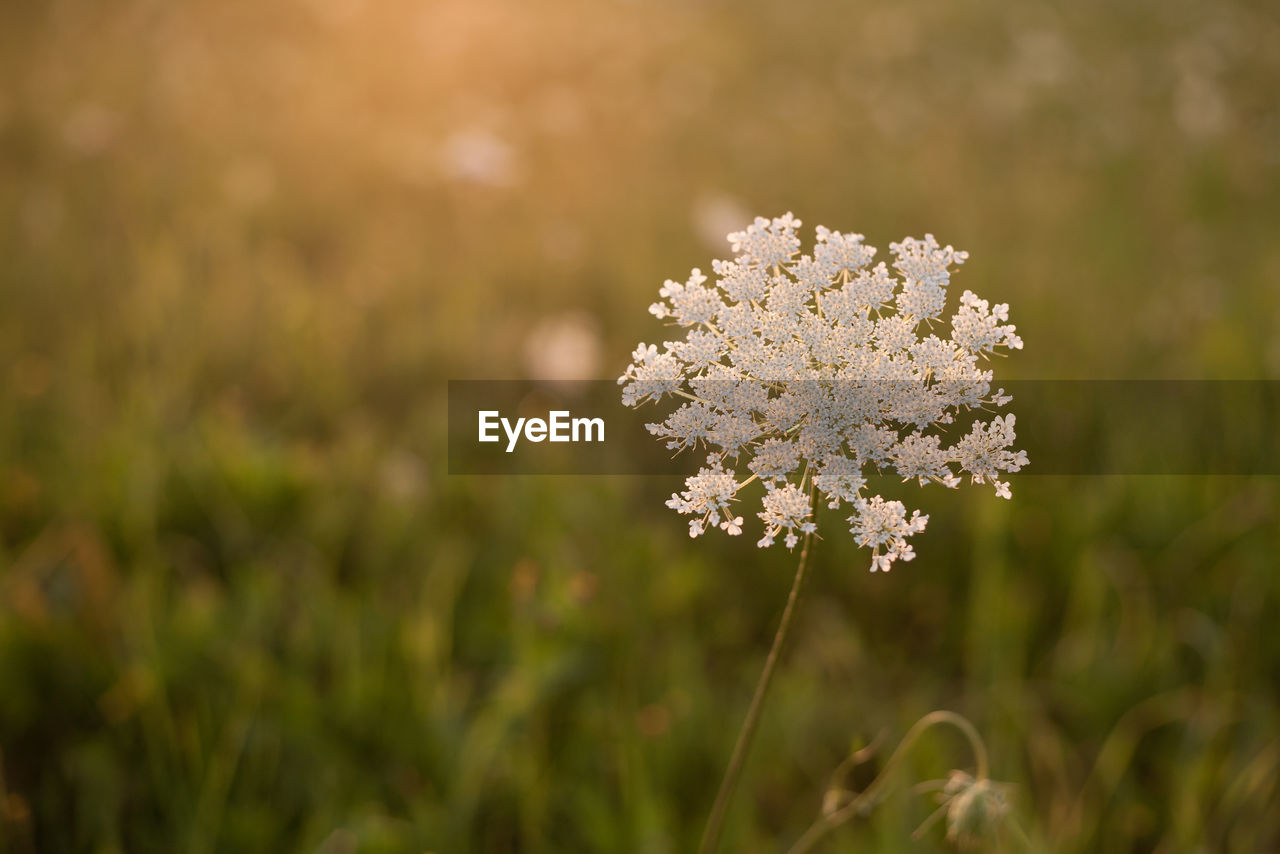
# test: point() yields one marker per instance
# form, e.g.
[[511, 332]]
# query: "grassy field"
[[243, 606]]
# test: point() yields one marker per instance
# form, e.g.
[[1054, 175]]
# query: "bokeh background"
[[243, 605]]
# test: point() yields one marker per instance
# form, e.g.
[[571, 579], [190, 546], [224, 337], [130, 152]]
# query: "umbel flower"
[[809, 372]]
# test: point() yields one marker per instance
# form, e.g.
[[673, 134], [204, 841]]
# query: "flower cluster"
[[813, 370]]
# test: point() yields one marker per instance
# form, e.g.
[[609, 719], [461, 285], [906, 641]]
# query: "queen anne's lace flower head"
[[810, 371]]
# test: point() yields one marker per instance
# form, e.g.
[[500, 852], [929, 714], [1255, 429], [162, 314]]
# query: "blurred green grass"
[[244, 607]]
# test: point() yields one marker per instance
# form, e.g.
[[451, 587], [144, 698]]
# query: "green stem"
[[715, 822], [868, 796]]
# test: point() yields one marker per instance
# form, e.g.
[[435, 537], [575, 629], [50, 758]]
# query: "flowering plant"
[[824, 366]]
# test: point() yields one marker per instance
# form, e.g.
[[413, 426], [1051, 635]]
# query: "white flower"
[[878, 524], [766, 243], [840, 478], [921, 457], [984, 453], [841, 253], [922, 262], [775, 460], [808, 369], [786, 507], [709, 492], [976, 327]]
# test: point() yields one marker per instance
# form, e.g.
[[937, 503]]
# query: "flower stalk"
[[733, 772]]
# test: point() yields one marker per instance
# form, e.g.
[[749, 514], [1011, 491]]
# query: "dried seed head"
[[975, 809]]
